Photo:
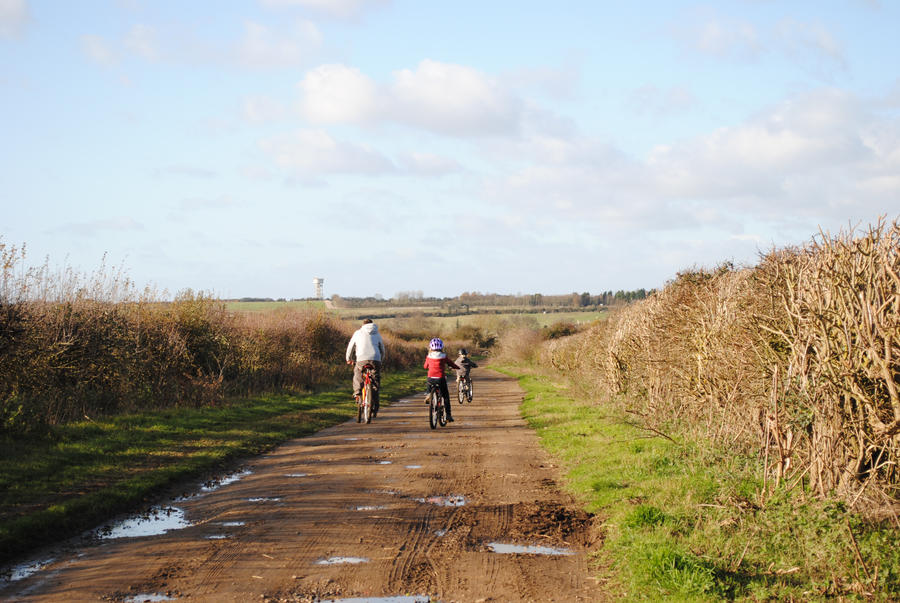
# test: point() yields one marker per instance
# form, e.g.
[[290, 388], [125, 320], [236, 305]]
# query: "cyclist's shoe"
[[356, 397], [428, 398], [449, 419]]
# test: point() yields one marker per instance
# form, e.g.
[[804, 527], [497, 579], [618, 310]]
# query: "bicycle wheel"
[[442, 412], [461, 390], [470, 391], [359, 411], [367, 403], [433, 410]]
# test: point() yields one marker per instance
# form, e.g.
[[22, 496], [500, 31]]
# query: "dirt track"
[[369, 492]]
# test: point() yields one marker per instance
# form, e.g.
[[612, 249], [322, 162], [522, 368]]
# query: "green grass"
[[267, 306], [685, 521], [79, 474]]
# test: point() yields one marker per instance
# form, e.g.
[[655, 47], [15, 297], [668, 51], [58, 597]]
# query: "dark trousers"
[[442, 383]]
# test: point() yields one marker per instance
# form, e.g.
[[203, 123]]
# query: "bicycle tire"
[[442, 412], [470, 391], [461, 391], [367, 403], [433, 410]]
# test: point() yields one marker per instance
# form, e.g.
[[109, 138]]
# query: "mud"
[[360, 526]]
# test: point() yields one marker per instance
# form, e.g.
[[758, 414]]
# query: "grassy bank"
[[686, 520], [76, 475]]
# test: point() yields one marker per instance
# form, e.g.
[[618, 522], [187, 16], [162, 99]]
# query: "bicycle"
[[464, 389], [436, 412], [364, 406]]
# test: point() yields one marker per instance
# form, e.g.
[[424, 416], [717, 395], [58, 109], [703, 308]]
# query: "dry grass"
[[796, 359]]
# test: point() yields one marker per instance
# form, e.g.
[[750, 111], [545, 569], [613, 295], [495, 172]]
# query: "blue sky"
[[244, 147]]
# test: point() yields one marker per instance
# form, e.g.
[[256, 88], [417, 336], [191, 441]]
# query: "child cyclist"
[[466, 363], [434, 364]]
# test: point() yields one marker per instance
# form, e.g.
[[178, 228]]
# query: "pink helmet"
[[436, 344]]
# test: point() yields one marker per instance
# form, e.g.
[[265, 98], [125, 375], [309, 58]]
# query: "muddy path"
[[381, 510]]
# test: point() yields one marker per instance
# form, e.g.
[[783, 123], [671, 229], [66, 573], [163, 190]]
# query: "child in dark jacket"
[[434, 364], [466, 363]]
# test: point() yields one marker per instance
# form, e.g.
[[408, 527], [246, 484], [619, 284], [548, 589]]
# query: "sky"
[[511, 146]]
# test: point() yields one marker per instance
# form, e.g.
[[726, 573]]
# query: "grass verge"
[[686, 521], [79, 474]]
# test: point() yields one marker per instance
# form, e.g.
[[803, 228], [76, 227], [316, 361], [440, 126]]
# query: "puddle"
[[451, 500], [500, 547], [264, 499], [388, 492], [440, 533], [148, 597], [158, 521], [396, 599], [351, 439], [296, 474], [24, 570], [414, 466], [342, 560], [232, 524], [384, 462], [218, 537], [369, 507], [215, 484]]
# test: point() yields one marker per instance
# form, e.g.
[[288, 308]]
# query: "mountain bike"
[[436, 412], [364, 409], [464, 389]]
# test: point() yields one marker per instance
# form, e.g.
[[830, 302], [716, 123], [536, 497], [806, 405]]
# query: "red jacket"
[[435, 363]]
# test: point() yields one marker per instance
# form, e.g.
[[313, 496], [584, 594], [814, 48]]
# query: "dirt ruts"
[[382, 510]]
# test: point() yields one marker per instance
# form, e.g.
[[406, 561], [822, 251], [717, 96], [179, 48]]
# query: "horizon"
[[394, 145]]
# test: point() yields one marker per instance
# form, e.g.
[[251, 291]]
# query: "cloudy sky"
[[245, 147]]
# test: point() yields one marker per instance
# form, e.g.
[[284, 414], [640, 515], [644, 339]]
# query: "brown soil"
[[353, 503]]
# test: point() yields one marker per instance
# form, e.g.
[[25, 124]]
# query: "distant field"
[[543, 320], [263, 306]]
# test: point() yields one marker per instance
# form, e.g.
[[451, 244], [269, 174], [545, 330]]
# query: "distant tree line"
[[471, 300]]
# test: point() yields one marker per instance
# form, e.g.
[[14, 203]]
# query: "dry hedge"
[[797, 359]]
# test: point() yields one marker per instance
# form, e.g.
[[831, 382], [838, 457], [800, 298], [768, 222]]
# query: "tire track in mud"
[[383, 509]]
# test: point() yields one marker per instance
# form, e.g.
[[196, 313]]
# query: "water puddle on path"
[[141, 598], [414, 466], [369, 508], [24, 570], [450, 500], [264, 499], [296, 474], [342, 561], [440, 533], [384, 462], [396, 599], [527, 549], [158, 520], [215, 484], [218, 537]]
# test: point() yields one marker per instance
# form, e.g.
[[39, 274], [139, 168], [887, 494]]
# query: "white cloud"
[[428, 164], [811, 44], [338, 94], [341, 9], [263, 47], [261, 109], [314, 152], [440, 97], [14, 17], [98, 50]]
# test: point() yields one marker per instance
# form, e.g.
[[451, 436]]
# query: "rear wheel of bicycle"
[[359, 407], [367, 403], [470, 391], [442, 412], [460, 391], [433, 410]]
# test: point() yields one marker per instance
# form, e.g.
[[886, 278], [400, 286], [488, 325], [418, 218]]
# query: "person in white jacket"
[[369, 349]]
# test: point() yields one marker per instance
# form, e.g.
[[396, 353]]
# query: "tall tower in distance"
[[318, 283]]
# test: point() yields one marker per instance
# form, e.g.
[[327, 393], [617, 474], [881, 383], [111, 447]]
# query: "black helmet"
[[463, 351]]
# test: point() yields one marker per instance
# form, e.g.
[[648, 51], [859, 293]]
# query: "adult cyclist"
[[369, 349]]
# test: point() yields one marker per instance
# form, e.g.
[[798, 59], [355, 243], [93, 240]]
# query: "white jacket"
[[368, 343]]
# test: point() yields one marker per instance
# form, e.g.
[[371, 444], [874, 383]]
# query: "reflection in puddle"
[[440, 533], [24, 570], [351, 439], [414, 466], [341, 560], [500, 547], [370, 507], [148, 597], [397, 599], [215, 484], [451, 500], [218, 537], [158, 521], [232, 524], [384, 462], [264, 499], [296, 474]]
